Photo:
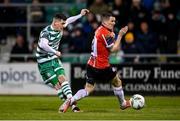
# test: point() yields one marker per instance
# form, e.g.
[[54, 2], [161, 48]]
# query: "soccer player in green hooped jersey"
[[47, 55]]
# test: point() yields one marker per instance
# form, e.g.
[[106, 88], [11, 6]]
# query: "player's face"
[[59, 24], [110, 22]]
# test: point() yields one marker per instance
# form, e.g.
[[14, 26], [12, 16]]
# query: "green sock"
[[66, 89], [61, 95]]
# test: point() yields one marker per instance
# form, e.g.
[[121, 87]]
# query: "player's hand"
[[84, 12], [123, 31], [58, 53]]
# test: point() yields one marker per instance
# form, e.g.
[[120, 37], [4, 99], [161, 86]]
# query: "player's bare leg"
[[118, 91]]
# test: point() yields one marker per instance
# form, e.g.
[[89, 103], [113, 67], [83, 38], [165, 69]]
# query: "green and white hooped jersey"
[[54, 38]]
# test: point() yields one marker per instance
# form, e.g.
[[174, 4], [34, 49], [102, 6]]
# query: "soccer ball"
[[137, 101]]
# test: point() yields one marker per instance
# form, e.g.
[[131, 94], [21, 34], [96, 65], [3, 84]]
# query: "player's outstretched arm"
[[116, 45], [74, 18]]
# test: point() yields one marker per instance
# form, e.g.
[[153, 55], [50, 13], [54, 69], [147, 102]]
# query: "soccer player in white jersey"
[[47, 55]]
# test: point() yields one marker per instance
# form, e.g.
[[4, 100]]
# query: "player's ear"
[[56, 22]]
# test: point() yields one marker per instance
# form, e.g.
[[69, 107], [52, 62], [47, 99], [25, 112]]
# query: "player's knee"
[[57, 86], [89, 88], [61, 78], [116, 82]]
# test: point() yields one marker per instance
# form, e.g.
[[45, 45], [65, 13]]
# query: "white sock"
[[118, 91], [79, 95]]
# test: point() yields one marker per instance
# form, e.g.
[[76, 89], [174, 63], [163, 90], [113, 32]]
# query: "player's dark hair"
[[60, 16], [106, 16]]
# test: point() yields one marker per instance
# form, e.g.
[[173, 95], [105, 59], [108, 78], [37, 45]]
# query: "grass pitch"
[[96, 108]]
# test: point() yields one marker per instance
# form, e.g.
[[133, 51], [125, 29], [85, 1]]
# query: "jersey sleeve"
[[44, 45], [108, 40], [72, 19]]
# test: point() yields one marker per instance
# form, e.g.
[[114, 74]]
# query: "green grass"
[[45, 107]]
